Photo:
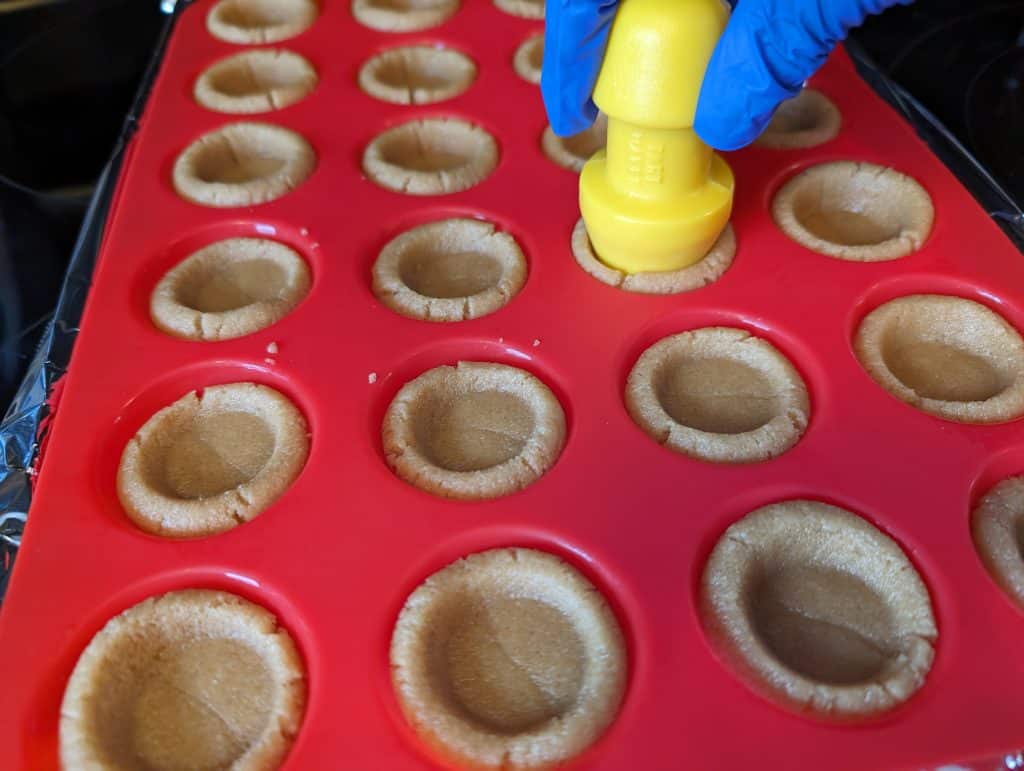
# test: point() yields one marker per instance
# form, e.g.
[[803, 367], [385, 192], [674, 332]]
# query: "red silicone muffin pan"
[[337, 555]]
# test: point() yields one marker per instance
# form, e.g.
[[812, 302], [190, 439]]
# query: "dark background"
[[69, 70]]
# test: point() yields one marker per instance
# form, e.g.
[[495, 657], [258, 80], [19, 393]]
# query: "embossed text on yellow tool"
[[657, 197]]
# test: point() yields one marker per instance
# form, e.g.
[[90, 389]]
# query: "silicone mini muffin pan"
[[346, 250]]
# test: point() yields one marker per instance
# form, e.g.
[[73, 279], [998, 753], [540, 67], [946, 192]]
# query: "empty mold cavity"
[[419, 74], [243, 164], [695, 276], [250, 22], [947, 356], [451, 270], [526, 9], [807, 120], [431, 157], [718, 394], [403, 15], [573, 152], [212, 460], [529, 58], [228, 289], [473, 431], [818, 609], [998, 528], [854, 211], [255, 81], [190, 679], [508, 659]]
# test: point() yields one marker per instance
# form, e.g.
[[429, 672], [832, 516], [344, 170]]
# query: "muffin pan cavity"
[[255, 81], [230, 288], [573, 152], [819, 610], [243, 164], [718, 394], [508, 658], [855, 211], [403, 15], [807, 120], [432, 156], [420, 74], [450, 270], [252, 22], [193, 678], [473, 431], [948, 356], [212, 460], [528, 59]]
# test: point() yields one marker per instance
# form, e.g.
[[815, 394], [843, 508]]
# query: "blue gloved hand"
[[770, 47]]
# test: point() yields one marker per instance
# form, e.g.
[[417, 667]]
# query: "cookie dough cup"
[[452, 270], [819, 610], [854, 211], [403, 15], [573, 152], [255, 81], [243, 164], [695, 276], [419, 74], [508, 659], [947, 356], [718, 394], [528, 59], [807, 120], [251, 22], [473, 431], [191, 679], [525, 9], [212, 460], [434, 156], [998, 528], [229, 289]]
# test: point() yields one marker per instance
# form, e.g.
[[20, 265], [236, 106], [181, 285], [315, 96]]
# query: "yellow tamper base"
[[656, 198]]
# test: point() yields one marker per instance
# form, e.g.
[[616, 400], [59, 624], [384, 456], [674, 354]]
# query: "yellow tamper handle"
[[656, 198]]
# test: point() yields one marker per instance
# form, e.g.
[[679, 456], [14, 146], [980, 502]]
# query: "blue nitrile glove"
[[768, 50]]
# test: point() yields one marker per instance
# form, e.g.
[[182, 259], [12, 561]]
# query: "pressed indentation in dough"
[[855, 211], [260, 21], [807, 120], [431, 156], [573, 152], [193, 679], [510, 664], [216, 453], [474, 430], [719, 395], [232, 286], [417, 74], [213, 695], [824, 624], [946, 355]]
